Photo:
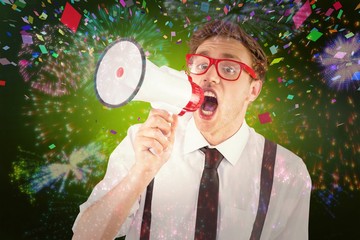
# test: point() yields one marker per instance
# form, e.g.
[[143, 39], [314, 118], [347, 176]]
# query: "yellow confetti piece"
[[276, 60], [40, 37], [91, 51], [43, 16]]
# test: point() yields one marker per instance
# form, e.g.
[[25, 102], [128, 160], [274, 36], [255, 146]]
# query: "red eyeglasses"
[[227, 69]]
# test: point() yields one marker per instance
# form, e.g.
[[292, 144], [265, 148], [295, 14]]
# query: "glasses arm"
[[249, 70]]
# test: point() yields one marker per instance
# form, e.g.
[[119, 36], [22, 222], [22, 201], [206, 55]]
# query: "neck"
[[216, 137]]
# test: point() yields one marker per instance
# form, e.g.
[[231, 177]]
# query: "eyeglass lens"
[[226, 69]]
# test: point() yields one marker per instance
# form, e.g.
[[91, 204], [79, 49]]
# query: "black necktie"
[[207, 208]]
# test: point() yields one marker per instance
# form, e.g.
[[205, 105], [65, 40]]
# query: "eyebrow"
[[223, 55]]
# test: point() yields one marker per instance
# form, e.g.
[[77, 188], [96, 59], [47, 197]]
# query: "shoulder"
[[290, 161], [288, 165]]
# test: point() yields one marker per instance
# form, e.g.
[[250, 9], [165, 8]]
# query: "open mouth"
[[210, 104]]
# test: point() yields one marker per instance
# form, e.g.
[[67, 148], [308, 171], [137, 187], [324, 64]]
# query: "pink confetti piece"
[[303, 13], [265, 118]]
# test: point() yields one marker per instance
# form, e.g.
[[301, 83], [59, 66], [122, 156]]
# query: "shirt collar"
[[231, 149]]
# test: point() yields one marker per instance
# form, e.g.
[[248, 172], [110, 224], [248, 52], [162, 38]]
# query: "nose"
[[212, 75]]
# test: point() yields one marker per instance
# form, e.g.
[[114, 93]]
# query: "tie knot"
[[212, 157]]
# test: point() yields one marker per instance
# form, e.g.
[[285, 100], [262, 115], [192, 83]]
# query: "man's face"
[[225, 104]]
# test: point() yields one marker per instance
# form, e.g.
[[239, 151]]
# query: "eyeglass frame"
[[214, 61]]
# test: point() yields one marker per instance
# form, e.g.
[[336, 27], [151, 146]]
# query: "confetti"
[[356, 76], [303, 13], [314, 35], [205, 7], [70, 17], [329, 12], [4, 61], [122, 2], [337, 5], [27, 39], [52, 146], [273, 49], [290, 97], [43, 49], [340, 55], [264, 118], [276, 60]]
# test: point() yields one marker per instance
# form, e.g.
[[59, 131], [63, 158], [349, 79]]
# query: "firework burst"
[[266, 21], [54, 64], [109, 24], [58, 170], [341, 62], [74, 109]]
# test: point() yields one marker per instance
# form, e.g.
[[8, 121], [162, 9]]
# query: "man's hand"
[[155, 139]]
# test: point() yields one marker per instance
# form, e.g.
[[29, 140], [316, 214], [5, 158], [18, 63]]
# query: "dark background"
[[320, 124]]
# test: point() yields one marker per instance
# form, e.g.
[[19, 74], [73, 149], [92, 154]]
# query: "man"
[[230, 67]]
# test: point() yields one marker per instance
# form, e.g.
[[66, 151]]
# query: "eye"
[[202, 66], [229, 70]]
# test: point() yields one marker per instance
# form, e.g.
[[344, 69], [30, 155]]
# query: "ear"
[[255, 89]]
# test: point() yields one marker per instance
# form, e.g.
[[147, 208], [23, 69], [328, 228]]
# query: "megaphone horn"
[[123, 74]]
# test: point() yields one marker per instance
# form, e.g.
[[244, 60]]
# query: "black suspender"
[[267, 175], [146, 220], [266, 181]]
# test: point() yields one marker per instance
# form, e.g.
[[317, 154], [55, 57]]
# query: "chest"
[[177, 184]]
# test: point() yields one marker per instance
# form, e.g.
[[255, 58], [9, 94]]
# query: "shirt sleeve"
[[120, 162], [297, 224]]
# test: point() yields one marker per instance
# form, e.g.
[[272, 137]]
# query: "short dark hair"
[[230, 29]]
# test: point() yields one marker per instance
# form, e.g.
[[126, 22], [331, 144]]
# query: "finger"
[[162, 113], [157, 134], [174, 124], [150, 143], [160, 122]]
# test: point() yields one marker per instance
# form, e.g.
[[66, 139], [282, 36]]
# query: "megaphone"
[[123, 74]]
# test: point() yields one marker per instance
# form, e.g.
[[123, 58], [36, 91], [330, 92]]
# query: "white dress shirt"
[[176, 188]]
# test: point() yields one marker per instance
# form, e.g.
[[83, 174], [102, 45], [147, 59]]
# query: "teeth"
[[209, 94], [206, 112]]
